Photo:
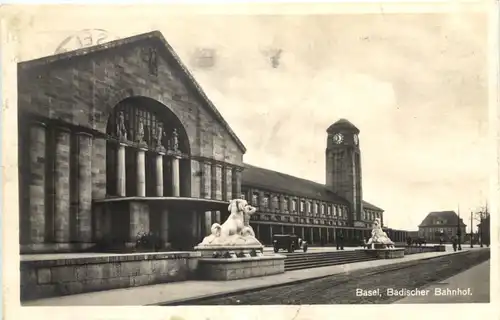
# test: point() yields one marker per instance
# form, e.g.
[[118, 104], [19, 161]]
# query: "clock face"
[[338, 138], [356, 139]]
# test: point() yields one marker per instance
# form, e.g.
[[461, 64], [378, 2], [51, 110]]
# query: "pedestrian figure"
[[340, 241]]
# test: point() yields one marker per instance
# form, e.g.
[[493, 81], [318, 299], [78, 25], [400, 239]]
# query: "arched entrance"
[[147, 151]]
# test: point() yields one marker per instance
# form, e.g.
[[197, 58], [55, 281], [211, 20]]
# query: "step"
[[323, 261], [324, 264], [323, 256], [303, 263]]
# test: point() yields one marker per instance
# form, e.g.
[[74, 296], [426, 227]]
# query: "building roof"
[[276, 181], [448, 218], [342, 124], [164, 48]]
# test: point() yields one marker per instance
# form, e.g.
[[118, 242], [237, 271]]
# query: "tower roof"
[[344, 125]]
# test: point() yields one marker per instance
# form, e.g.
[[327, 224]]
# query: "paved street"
[[343, 288], [175, 292], [476, 278]]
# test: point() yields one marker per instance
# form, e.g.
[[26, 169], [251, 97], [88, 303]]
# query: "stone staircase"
[[298, 261]]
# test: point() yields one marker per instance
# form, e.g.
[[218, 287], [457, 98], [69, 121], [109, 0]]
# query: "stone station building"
[[118, 139]]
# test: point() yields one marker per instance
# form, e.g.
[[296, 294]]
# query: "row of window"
[[290, 205], [434, 231], [370, 215]]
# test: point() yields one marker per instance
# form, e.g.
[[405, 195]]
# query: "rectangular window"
[[275, 202], [255, 199], [334, 211], [265, 201], [316, 208], [302, 205], [285, 204], [323, 206], [329, 210], [308, 207]]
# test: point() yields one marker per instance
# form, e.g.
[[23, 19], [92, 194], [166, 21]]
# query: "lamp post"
[[459, 233]]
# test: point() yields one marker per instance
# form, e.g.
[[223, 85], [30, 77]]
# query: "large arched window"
[[143, 123]]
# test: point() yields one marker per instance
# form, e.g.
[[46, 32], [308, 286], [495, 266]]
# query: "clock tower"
[[343, 165]]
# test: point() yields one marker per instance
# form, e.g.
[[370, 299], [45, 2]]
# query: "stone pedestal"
[[392, 253], [240, 268]]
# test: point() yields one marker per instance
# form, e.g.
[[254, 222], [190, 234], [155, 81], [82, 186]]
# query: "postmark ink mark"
[[85, 38]]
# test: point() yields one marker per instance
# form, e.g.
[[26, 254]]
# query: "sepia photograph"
[[174, 157]]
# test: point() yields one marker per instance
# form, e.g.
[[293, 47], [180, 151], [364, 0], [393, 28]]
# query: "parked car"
[[290, 242]]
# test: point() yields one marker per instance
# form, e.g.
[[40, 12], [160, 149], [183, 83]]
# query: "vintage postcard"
[[288, 159]]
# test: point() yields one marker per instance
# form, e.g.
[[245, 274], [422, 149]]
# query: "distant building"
[[437, 221]]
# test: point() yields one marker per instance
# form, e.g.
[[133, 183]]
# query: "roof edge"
[[128, 40]]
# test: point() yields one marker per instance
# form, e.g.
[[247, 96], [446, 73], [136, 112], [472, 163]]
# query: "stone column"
[[271, 233], [217, 181], [84, 218], [206, 180], [217, 217], [159, 174], [257, 232], [320, 235], [176, 190], [121, 179], [164, 228], [139, 219], [229, 183], [61, 186], [303, 234], [293, 229], [311, 237], [236, 177], [141, 172], [327, 235], [208, 222], [37, 182], [282, 229]]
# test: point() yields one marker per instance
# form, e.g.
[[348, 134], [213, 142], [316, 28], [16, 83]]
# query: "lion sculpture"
[[236, 230]]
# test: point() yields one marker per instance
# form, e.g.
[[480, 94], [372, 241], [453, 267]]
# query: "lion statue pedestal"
[[380, 246], [231, 251]]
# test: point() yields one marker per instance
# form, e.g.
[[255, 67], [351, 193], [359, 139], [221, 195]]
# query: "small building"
[[441, 221]]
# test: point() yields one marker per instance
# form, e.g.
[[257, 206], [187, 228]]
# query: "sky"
[[415, 84]]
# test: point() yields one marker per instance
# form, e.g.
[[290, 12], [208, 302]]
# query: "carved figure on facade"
[[139, 137], [159, 137], [175, 140], [121, 130], [379, 237], [236, 230]]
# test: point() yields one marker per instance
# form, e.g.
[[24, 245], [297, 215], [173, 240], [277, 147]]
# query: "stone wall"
[[49, 278]]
